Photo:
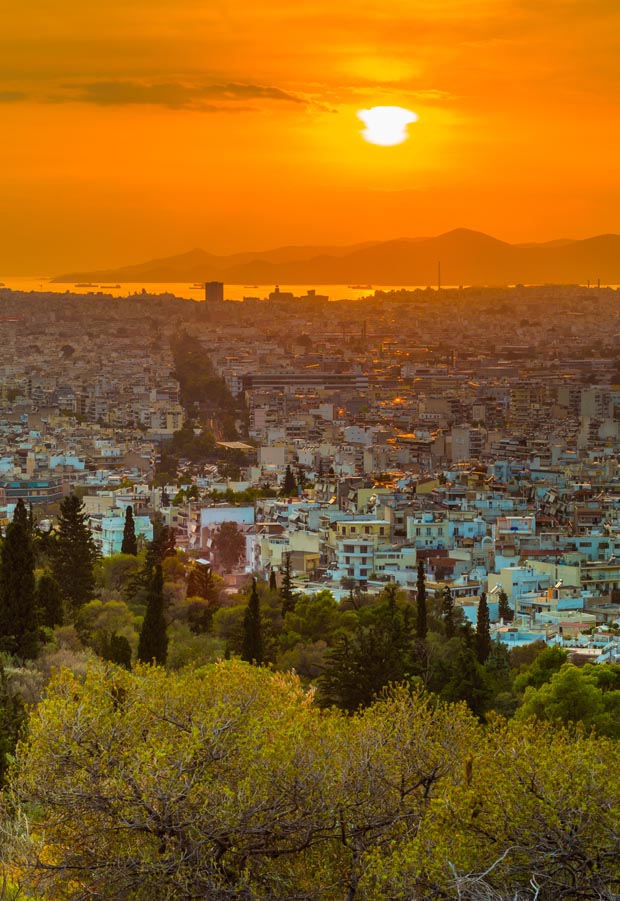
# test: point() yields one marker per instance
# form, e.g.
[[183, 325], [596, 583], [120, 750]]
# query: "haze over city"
[[145, 129]]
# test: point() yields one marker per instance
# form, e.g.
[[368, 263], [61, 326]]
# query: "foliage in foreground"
[[230, 783]]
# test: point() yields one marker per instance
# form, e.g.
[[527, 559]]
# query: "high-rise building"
[[214, 292]]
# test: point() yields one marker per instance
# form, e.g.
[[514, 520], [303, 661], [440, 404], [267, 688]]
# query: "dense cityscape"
[[415, 488]]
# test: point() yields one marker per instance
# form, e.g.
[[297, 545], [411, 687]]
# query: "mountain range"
[[467, 258]]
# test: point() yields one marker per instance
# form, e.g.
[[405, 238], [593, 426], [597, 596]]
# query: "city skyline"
[[147, 129]]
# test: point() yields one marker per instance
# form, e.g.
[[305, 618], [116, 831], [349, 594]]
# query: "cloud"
[[172, 94], [12, 96], [432, 95]]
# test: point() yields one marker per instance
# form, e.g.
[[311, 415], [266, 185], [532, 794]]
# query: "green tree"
[[119, 651], [129, 545], [377, 654], [153, 641], [547, 662], [163, 544], [447, 611], [273, 582], [49, 601], [20, 515], [505, 611], [18, 612], [253, 645], [286, 589], [97, 621], [201, 583], [483, 630], [229, 545], [75, 553], [421, 603], [467, 680], [589, 695], [161, 548], [316, 617], [289, 485]]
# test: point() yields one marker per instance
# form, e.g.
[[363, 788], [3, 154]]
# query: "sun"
[[386, 125]]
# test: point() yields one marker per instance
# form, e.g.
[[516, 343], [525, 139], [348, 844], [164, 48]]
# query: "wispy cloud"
[[171, 94], [12, 96]]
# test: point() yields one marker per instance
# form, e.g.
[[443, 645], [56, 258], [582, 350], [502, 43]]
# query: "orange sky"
[[141, 128]]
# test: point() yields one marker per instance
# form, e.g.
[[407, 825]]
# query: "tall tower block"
[[214, 292]]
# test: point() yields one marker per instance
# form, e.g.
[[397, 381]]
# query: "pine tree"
[[18, 615], [129, 545], [200, 583], [286, 591], [252, 649], [505, 611], [447, 610], [421, 603], [153, 642], [483, 630], [289, 486], [74, 553], [357, 667]]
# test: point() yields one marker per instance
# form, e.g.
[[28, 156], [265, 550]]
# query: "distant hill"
[[467, 258]]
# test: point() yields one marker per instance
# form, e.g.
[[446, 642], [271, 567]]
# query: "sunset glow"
[[145, 129]]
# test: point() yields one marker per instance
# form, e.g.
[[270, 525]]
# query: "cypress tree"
[[74, 553], [273, 582], [20, 515], [289, 486], [153, 642], [505, 611], [421, 602], [286, 591], [18, 614], [252, 649], [129, 545], [483, 630], [447, 610]]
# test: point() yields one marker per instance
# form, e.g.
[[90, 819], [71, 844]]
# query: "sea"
[[197, 291], [191, 292]]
